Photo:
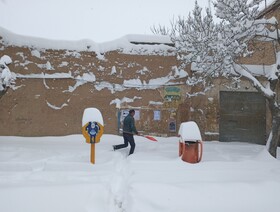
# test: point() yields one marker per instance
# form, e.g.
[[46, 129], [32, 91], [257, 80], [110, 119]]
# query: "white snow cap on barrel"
[[92, 114], [189, 131]]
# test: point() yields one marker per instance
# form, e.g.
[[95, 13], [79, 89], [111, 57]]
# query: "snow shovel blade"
[[150, 137]]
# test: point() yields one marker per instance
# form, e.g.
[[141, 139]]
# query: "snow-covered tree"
[[6, 77], [214, 49]]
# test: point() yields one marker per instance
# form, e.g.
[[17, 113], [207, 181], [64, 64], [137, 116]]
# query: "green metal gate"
[[242, 117]]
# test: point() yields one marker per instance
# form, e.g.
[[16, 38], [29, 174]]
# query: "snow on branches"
[[6, 77], [236, 11], [214, 49]]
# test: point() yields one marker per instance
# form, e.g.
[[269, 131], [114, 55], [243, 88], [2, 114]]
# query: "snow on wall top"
[[123, 44], [149, 39]]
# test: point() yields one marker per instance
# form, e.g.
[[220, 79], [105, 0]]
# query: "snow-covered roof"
[[149, 39], [146, 43], [271, 4]]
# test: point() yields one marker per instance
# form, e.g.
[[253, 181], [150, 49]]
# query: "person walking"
[[129, 130]]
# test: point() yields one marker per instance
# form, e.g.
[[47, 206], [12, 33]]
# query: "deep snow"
[[53, 174]]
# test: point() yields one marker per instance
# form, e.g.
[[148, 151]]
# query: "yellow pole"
[[92, 153]]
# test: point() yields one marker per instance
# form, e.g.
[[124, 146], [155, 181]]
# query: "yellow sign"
[[92, 131]]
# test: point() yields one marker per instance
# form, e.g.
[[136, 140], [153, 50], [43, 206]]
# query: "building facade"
[[56, 81]]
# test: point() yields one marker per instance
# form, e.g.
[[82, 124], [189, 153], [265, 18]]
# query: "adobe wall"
[[49, 99], [42, 106]]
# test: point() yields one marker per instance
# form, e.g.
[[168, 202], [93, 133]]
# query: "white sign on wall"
[[124, 113], [137, 115], [157, 115]]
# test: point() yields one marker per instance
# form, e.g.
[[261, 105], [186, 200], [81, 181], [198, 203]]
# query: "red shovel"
[[149, 137], [145, 136]]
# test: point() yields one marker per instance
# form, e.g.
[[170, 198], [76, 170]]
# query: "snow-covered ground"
[[53, 174]]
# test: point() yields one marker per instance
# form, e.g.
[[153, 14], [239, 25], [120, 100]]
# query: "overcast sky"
[[97, 20]]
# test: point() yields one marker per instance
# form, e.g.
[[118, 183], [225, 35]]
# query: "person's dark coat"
[[129, 125]]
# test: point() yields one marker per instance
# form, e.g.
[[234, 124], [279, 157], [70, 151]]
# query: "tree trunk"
[[2, 93], [275, 129]]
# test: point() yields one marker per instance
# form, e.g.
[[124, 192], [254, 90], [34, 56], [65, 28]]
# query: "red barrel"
[[192, 151], [190, 142]]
